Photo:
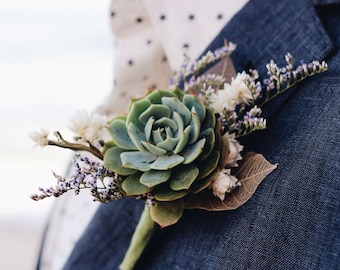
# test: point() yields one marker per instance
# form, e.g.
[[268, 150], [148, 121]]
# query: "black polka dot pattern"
[[182, 44]]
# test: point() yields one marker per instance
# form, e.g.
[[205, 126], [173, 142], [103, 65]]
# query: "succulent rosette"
[[166, 147]]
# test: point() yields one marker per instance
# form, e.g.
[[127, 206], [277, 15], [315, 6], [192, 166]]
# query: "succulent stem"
[[139, 241]]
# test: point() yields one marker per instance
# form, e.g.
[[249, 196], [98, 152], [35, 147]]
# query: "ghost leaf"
[[253, 169]]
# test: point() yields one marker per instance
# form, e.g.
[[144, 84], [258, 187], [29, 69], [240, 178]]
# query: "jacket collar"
[[276, 28]]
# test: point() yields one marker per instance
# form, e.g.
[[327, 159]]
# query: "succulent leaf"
[[183, 177], [153, 177], [166, 122], [157, 136], [155, 97], [208, 165], [120, 135], [166, 162], [132, 101], [164, 193], [209, 135], [209, 120], [137, 108], [136, 136], [195, 126], [148, 128], [121, 117], [203, 183], [168, 133], [218, 136], [169, 143], [113, 162], [224, 151], [155, 110], [179, 122], [108, 145], [167, 213], [132, 186], [191, 152], [183, 140], [154, 149], [175, 105], [179, 93], [138, 160], [192, 101]]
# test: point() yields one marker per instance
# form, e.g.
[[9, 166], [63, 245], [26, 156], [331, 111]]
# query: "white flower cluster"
[[233, 94], [237, 96], [88, 128], [225, 181]]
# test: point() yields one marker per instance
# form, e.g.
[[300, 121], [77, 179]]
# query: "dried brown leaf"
[[225, 68], [253, 169]]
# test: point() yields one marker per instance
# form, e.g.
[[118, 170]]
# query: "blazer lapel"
[[277, 30]]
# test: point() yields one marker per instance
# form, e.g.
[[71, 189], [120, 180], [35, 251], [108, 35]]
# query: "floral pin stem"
[[139, 241]]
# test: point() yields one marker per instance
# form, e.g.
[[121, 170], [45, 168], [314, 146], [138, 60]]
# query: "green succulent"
[[168, 145]]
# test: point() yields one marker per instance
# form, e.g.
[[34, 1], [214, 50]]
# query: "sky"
[[56, 57]]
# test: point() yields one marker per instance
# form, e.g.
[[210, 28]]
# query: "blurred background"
[[56, 57]]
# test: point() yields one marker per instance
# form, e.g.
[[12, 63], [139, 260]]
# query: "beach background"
[[56, 57]]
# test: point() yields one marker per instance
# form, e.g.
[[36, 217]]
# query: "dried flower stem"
[[75, 146]]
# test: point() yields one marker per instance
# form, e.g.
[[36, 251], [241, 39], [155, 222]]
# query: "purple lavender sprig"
[[193, 68], [104, 185], [282, 78]]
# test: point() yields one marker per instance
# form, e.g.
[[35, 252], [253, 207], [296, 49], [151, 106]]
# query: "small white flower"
[[96, 131], [40, 138], [233, 93], [255, 111], [79, 122], [234, 150], [88, 128], [239, 90], [222, 101], [224, 183]]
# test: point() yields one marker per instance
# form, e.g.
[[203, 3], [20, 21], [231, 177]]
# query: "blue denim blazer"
[[293, 219]]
